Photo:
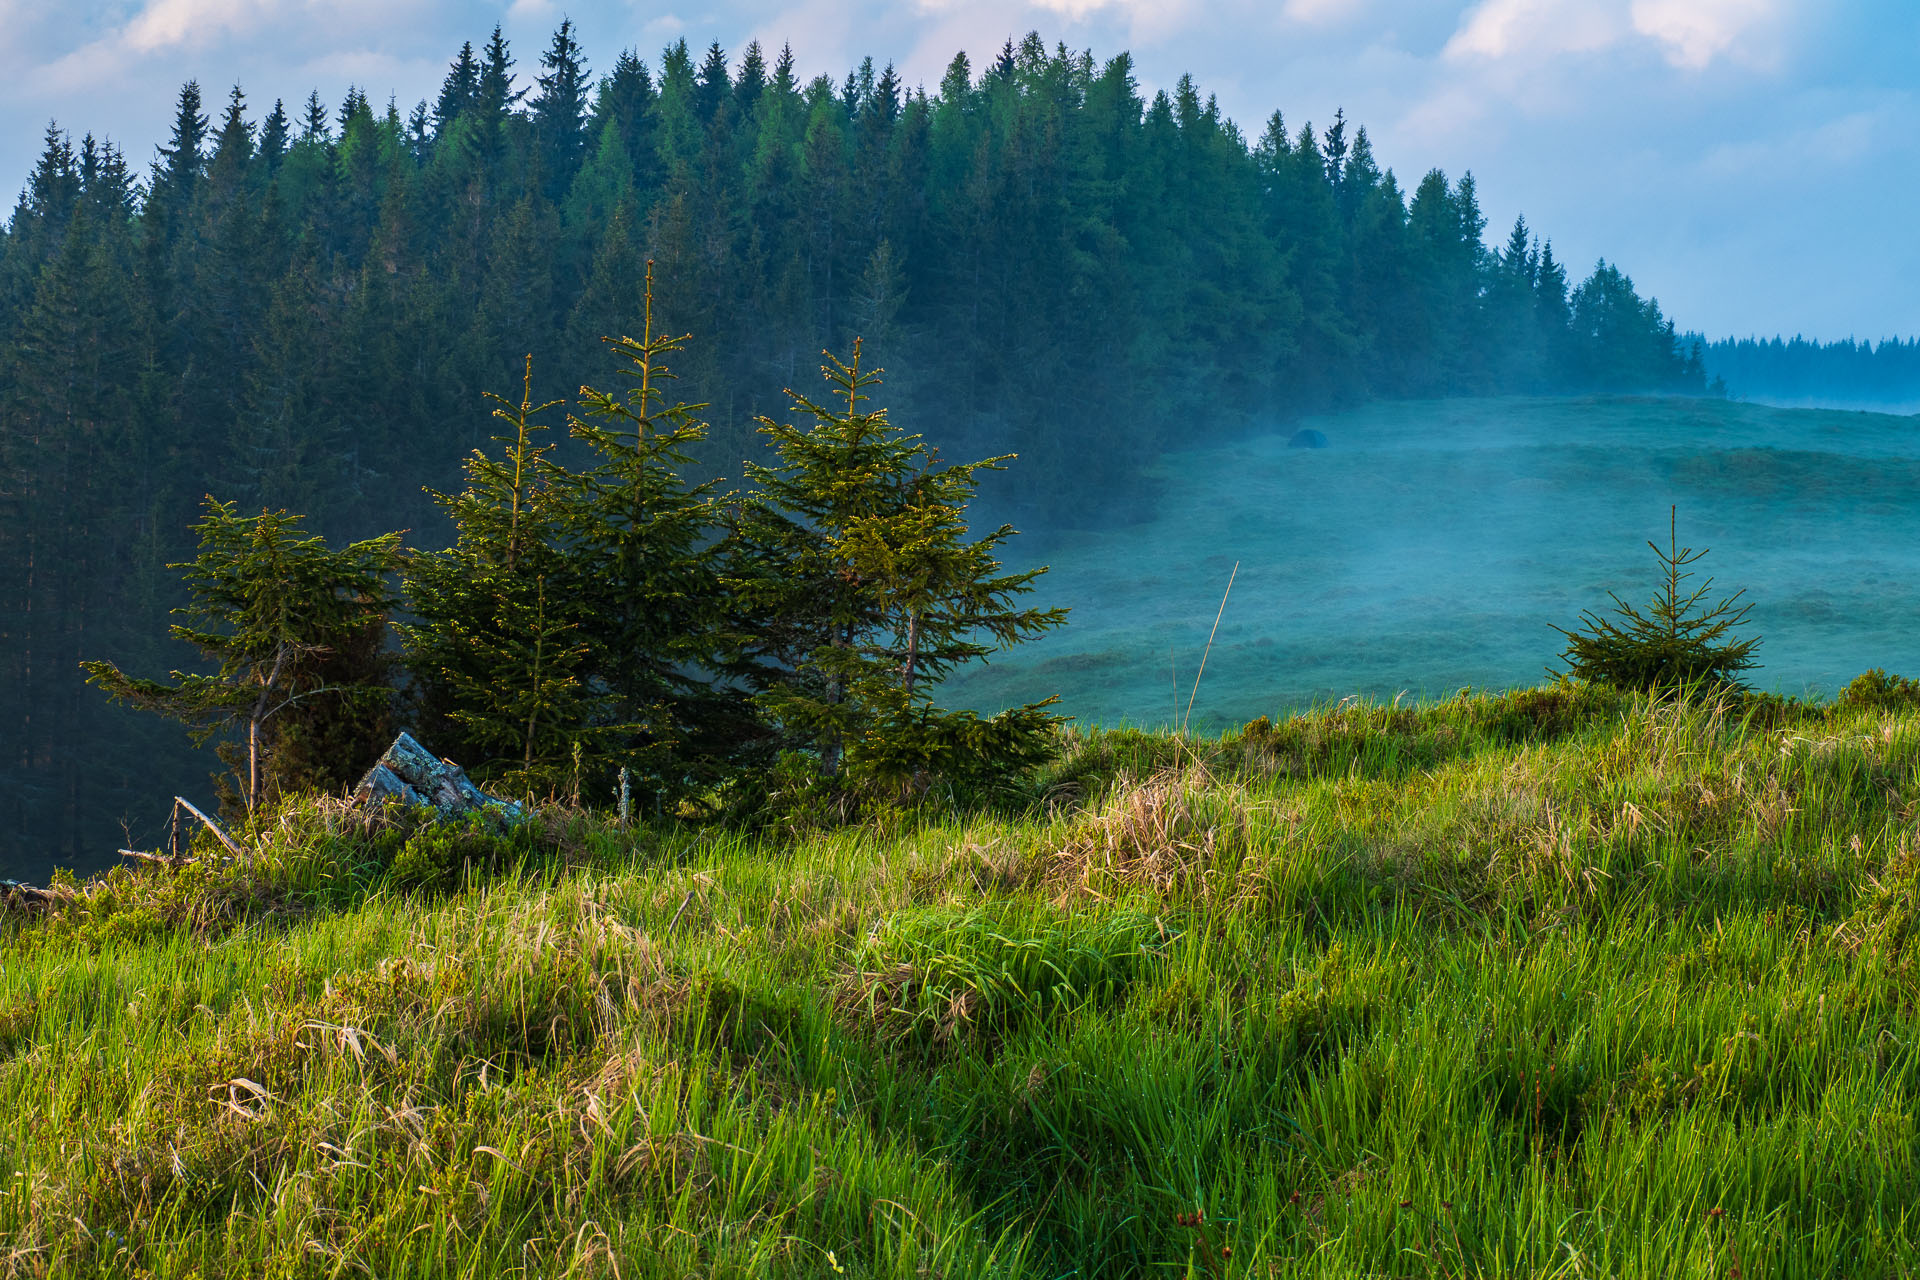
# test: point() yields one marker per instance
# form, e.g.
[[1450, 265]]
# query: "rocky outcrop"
[[414, 776]]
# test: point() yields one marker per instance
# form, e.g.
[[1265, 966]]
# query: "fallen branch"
[[233, 846], [170, 861]]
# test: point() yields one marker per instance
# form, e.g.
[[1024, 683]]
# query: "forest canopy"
[[301, 307]]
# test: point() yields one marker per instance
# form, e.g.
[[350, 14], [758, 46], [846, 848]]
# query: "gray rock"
[[413, 775], [1307, 438]]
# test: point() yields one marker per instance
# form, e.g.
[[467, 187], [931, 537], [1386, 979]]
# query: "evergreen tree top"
[[313, 120], [459, 91], [714, 85], [495, 95]]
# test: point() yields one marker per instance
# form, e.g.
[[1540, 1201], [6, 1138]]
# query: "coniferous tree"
[[176, 175], [496, 645], [560, 112], [624, 103], [296, 630], [1683, 641], [276, 133], [864, 588], [459, 92], [308, 306], [714, 86], [654, 619]]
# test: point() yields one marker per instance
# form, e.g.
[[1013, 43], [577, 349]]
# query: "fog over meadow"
[[1432, 545]]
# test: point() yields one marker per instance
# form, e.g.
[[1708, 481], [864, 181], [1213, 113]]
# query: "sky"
[[1753, 164]]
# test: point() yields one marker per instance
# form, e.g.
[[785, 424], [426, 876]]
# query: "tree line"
[[1886, 372], [301, 309]]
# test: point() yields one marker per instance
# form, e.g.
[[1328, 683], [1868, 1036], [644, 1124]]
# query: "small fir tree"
[[853, 559], [1683, 641], [496, 646], [653, 613], [298, 631]]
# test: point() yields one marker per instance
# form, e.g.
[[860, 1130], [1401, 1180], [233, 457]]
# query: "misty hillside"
[[1487, 523], [300, 306]]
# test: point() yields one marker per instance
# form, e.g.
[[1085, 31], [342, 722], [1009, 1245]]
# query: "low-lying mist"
[[1431, 545]]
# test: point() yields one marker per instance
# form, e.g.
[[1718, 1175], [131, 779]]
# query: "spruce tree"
[[1683, 641], [624, 101], [560, 112], [496, 643], [297, 632], [177, 172], [276, 133], [715, 86], [654, 615], [459, 91], [313, 120], [863, 589]]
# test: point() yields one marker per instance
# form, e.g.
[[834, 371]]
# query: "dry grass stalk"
[[1165, 833]]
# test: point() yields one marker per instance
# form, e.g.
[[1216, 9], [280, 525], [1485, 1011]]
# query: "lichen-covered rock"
[[412, 775]]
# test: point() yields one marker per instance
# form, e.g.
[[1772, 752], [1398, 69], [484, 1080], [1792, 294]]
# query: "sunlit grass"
[[1546, 984]]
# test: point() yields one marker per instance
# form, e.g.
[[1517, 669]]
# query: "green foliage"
[[863, 588], [1683, 641], [496, 643], [298, 631], [647, 583], [441, 854], [1875, 690], [309, 313]]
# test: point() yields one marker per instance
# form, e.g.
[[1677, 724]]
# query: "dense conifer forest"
[[300, 307], [1887, 372]]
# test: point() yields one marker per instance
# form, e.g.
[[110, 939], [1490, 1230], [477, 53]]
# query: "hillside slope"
[[1551, 983]]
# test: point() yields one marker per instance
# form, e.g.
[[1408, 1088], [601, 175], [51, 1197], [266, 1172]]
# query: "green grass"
[[1552, 983]]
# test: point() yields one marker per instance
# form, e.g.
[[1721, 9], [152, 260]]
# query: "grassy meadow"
[[1432, 544], [1551, 983]]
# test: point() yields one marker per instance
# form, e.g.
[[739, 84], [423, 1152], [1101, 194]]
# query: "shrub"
[[1875, 690], [439, 854]]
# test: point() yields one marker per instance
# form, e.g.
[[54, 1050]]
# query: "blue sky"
[[1753, 163]]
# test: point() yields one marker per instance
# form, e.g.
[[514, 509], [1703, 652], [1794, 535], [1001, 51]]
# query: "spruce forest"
[[301, 307]]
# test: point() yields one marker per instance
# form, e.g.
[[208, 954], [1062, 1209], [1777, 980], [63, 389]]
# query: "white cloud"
[[161, 31], [1145, 20], [1322, 12], [1078, 10], [1853, 139], [1690, 34], [1695, 32], [1510, 28], [165, 24]]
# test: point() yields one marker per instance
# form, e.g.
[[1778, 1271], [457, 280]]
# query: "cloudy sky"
[[1753, 163]]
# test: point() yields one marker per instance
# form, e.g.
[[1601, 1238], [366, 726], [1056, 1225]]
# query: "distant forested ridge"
[[1887, 372], [301, 308]]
